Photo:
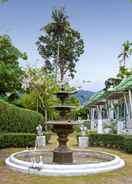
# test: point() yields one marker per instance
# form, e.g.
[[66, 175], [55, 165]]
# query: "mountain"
[[83, 95]]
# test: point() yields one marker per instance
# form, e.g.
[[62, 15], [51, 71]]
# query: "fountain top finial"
[[62, 87]]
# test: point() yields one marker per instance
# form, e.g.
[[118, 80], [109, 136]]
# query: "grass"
[[122, 176]]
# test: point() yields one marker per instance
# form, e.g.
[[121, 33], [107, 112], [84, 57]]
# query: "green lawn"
[[122, 176]]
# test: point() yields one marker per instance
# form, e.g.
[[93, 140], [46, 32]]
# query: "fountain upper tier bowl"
[[66, 108], [63, 122], [64, 94]]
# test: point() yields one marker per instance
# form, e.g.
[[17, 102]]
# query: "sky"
[[104, 25]]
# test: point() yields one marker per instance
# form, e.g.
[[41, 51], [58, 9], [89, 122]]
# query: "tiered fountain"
[[62, 154], [62, 161]]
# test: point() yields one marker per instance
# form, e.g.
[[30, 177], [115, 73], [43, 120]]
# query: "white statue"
[[39, 130], [83, 130]]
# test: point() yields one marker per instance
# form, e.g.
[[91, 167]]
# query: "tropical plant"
[[61, 46], [124, 72], [82, 113], [123, 56], [126, 51], [112, 126], [10, 71]]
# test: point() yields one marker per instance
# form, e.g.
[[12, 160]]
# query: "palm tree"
[[125, 52]]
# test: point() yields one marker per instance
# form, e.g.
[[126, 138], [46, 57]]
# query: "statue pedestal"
[[100, 126], [40, 141], [120, 127], [83, 142]]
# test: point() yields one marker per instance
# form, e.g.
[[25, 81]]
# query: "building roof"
[[125, 84], [116, 92], [98, 98]]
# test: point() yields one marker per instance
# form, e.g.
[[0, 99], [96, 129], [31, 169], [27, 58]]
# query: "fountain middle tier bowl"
[[40, 162], [62, 94]]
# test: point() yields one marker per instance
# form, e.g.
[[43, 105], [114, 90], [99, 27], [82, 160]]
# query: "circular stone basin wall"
[[84, 163]]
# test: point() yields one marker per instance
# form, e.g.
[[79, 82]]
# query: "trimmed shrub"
[[121, 142], [16, 119], [106, 140], [127, 144], [17, 140], [20, 139]]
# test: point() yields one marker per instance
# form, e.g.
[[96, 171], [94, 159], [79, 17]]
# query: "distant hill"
[[83, 95]]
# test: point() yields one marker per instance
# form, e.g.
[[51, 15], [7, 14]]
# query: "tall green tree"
[[10, 71], [61, 45], [125, 52], [123, 56]]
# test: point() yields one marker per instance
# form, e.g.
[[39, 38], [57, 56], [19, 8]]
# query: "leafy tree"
[[124, 72], [61, 45], [3, 1], [81, 113], [40, 85], [10, 71]]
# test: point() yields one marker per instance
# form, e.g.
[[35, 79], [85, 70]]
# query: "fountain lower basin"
[[84, 163]]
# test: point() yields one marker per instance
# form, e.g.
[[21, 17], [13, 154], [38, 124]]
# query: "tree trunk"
[[46, 118], [124, 61]]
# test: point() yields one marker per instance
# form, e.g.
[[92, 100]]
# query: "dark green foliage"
[[17, 140], [10, 76], [121, 142], [128, 144], [124, 72], [61, 46], [82, 113], [10, 71], [107, 140], [15, 119]]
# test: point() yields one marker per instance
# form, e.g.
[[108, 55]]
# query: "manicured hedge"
[[128, 144], [20, 139], [16, 119], [121, 142], [17, 140], [106, 140]]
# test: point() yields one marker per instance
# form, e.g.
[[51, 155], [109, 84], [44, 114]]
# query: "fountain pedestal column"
[[62, 154]]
